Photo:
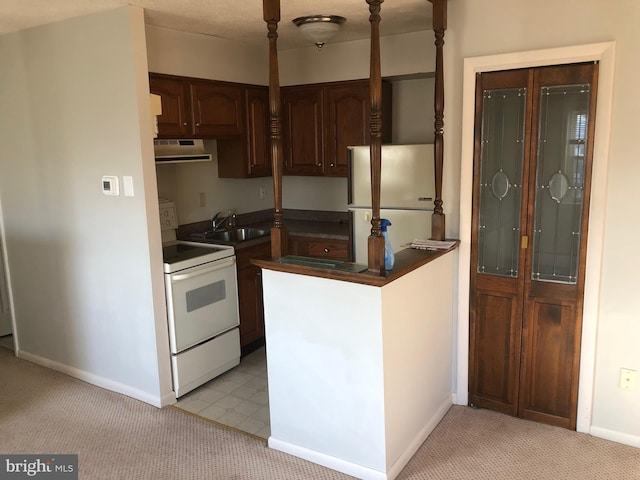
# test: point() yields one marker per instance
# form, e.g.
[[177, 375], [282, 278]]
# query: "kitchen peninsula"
[[359, 359], [359, 373]]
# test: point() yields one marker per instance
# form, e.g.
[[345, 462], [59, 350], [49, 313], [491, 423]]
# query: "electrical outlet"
[[628, 379], [203, 199]]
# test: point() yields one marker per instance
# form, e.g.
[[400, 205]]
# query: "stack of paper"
[[433, 244]]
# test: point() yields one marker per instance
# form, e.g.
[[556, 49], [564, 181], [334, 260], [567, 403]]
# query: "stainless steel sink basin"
[[233, 236]]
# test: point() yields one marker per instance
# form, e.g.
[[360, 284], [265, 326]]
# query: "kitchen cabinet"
[[303, 123], [197, 108], [174, 121], [319, 247], [248, 155], [250, 295], [321, 120]]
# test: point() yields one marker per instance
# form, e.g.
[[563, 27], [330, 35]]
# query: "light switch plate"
[[127, 183]]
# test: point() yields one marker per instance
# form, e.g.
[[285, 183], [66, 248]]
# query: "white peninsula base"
[[358, 375]]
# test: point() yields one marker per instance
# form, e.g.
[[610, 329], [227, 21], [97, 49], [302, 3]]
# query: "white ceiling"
[[239, 20]]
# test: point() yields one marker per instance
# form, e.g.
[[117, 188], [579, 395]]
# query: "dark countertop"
[[320, 224], [302, 223], [406, 261]]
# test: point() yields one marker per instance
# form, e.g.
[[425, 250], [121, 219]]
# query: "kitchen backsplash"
[[198, 192]]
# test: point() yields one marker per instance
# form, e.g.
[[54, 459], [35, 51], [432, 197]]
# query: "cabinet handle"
[[332, 165], [197, 124], [184, 124], [319, 165], [326, 250]]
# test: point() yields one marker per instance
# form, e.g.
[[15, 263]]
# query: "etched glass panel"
[[500, 198], [560, 171]]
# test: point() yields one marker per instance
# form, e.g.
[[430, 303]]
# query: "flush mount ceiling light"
[[319, 28]]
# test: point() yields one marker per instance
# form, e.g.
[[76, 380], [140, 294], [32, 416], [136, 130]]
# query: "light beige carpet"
[[116, 437]]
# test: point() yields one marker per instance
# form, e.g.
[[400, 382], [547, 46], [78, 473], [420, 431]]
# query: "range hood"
[[179, 151]]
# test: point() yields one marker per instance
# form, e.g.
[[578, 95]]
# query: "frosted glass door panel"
[[560, 175], [502, 157]]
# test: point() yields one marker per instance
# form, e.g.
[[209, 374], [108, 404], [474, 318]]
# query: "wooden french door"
[[532, 174]]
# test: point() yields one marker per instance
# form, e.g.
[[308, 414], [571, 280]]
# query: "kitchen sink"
[[235, 235]]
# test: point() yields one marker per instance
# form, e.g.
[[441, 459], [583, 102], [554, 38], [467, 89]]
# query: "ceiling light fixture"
[[319, 28]]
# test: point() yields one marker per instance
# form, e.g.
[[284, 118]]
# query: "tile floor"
[[238, 398]]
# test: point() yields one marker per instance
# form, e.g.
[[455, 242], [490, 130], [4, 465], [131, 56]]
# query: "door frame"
[[605, 54], [4, 258]]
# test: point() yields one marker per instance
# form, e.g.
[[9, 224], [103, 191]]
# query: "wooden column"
[[375, 240], [271, 14], [439, 26]]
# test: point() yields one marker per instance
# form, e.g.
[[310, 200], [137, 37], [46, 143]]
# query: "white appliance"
[[202, 308], [407, 192], [180, 151]]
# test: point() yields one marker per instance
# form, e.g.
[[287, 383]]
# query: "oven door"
[[202, 302]]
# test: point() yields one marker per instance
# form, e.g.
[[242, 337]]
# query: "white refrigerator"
[[407, 192]]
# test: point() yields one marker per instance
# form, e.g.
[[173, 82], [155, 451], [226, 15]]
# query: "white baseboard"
[[401, 462], [360, 471], [619, 437], [328, 461], [97, 380]]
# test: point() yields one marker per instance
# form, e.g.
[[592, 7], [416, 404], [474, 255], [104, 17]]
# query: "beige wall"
[[495, 27], [86, 269], [203, 56]]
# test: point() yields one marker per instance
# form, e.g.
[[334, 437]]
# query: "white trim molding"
[[99, 381], [604, 53]]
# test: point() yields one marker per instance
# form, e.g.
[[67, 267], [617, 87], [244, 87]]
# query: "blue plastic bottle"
[[388, 251]]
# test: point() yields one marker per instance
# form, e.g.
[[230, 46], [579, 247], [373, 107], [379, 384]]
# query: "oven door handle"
[[206, 268]]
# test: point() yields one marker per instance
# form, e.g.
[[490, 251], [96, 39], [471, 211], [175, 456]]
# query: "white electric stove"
[[202, 308]]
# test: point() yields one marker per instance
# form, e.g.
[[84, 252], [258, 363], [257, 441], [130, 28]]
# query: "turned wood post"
[[376, 240], [271, 14], [439, 26]]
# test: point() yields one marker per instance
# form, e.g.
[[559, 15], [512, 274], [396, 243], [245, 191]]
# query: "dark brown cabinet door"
[[303, 121], [250, 305], [533, 153], [348, 111], [175, 120], [348, 120], [251, 308], [248, 155], [321, 120], [217, 109], [258, 144]]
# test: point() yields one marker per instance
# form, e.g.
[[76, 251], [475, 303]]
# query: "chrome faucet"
[[217, 222]]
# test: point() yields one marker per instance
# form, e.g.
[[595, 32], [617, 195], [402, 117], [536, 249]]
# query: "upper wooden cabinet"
[[175, 121], [250, 154], [302, 132], [196, 108], [321, 120], [217, 109]]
